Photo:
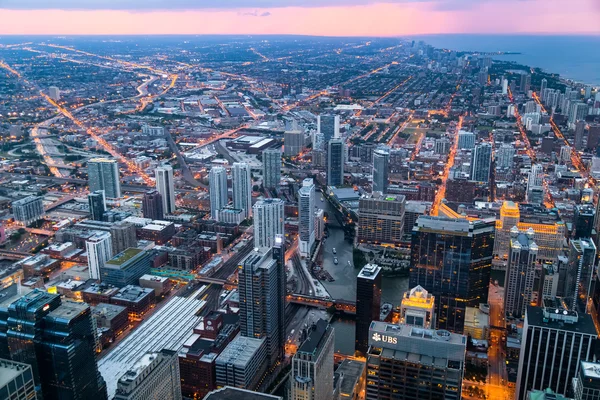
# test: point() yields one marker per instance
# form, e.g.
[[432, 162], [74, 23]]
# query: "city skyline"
[[353, 18]]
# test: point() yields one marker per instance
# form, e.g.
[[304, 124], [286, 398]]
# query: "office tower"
[[103, 174], [481, 162], [329, 126], [535, 183], [97, 204], [586, 385], [268, 221], [543, 87], [242, 188], [99, 251], [152, 205], [154, 376], [583, 220], [452, 260], [408, 362], [418, 308], [466, 140], [28, 210], [271, 168], [166, 187], [16, 381], [580, 273], [293, 143], [504, 86], [306, 217], [312, 365], [381, 165], [368, 303], [593, 137], [228, 393], [260, 277], [553, 344], [57, 340], [525, 84], [126, 268], [242, 363], [505, 156], [579, 131], [335, 162], [442, 146], [54, 93], [217, 178], [123, 236], [520, 273], [381, 218]]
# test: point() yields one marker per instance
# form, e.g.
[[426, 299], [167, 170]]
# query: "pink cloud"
[[383, 19]]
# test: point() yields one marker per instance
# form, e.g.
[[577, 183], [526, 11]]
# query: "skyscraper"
[[579, 132], [554, 343], [28, 210], [381, 218], [293, 142], [466, 140], [505, 156], [260, 277], [481, 162], [452, 260], [520, 273], [242, 188], [54, 93], [381, 165], [103, 174], [329, 126], [409, 362], [166, 187], [335, 162], [271, 168], [152, 205], [17, 381], [97, 204], [217, 178], [525, 83], [535, 183], [580, 273], [306, 211], [368, 304], [58, 340], [312, 365], [268, 221], [99, 251], [543, 87], [583, 220]]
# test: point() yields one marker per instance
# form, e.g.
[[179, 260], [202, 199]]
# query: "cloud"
[[256, 14]]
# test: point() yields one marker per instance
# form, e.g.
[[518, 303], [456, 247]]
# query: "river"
[[344, 285]]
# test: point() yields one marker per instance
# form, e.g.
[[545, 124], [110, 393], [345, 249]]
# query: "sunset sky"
[[311, 17]]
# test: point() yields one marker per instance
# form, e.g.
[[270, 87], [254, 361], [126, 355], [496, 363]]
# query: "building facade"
[[152, 205], [271, 168], [381, 218], [381, 166], [99, 251], [268, 221], [242, 188], [217, 178], [368, 304], [103, 174], [16, 382], [306, 217], [28, 210], [335, 162], [481, 162], [165, 185], [520, 273], [97, 204]]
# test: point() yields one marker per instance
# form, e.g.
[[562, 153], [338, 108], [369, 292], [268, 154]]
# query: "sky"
[[305, 17]]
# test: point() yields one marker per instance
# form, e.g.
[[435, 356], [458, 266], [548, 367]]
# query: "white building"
[[103, 174], [99, 251], [242, 188], [217, 178], [166, 187], [306, 211], [54, 93], [268, 221], [28, 209]]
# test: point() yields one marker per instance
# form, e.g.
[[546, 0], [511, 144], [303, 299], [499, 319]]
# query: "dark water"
[[573, 57]]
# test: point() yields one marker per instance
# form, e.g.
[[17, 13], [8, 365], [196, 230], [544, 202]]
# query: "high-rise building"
[[368, 303], [583, 220], [418, 308], [481, 162], [525, 84], [242, 363], [409, 362], [329, 126], [103, 174], [452, 260], [28, 210], [242, 188], [97, 204], [262, 298], [54, 93], [306, 217], [312, 365], [293, 143], [271, 168], [217, 178], [505, 156], [577, 112], [593, 137], [154, 376], [579, 132], [268, 221], [580, 273], [554, 343], [152, 205], [565, 154], [381, 165], [99, 251], [535, 184], [335, 162], [166, 187], [58, 341], [466, 140], [381, 218], [543, 86], [520, 273], [16, 381], [586, 385], [442, 146], [126, 268]]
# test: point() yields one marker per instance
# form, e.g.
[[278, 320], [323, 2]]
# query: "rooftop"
[[68, 310], [369, 271], [560, 319], [351, 370], [231, 393], [9, 370], [590, 370], [240, 351], [124, 256], [315, 336]]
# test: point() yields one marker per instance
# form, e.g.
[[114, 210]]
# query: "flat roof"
[[315, 336], [9, 370], [231, 393], [590, 369], [584, 324], [240, 351], [124, 256], [351, 370], [369, 271]]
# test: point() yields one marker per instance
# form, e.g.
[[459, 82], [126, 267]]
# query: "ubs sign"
[[377, 337]]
